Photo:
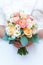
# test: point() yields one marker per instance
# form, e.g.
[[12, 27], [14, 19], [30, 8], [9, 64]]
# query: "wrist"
[[40, 33], [2, 28]]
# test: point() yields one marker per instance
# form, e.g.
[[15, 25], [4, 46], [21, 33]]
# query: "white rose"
[[32, 23], [35, 22], [29, 23], [34, 31], [16, 33]]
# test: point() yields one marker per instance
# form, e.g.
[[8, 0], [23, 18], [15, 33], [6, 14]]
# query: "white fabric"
[[8, 53]]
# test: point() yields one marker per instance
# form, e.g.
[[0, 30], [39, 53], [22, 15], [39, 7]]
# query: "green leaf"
[[10, 38], [5, 37], [34, 38], [11, 41], [24, 40], [25, 51], [21, 30], [22, 51]]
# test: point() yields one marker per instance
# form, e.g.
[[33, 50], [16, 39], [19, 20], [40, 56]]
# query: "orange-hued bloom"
[[28, 32], [10, 30]]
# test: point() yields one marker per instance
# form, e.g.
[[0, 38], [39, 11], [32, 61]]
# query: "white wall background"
[[8, 53]]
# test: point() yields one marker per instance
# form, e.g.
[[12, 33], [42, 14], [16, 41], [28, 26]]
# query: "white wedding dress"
[[8, 53]]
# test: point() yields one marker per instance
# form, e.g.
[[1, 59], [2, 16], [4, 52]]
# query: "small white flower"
[[16, 33], [17, 27]]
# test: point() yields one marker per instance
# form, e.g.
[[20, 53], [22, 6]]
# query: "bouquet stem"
[[22, 51]]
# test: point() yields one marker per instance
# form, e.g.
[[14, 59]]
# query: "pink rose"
[[15, 17], [16, 14], [23, 23]]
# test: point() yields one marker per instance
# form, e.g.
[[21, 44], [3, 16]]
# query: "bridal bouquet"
[[22, 27]]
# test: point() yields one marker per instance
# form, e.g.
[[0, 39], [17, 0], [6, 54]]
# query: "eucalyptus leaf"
[[5, 37], [10, 38], [24, 40], [11, 41], [34, 38], [21, 30]]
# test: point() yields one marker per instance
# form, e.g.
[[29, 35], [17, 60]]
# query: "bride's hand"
[[1, 31]]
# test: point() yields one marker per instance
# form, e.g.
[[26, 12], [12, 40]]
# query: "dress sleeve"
[[2, 17]]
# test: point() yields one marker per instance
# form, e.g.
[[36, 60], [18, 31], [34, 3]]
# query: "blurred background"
[[8, 53]]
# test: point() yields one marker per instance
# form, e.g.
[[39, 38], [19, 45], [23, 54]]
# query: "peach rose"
[[28, 32], [10, 30]]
